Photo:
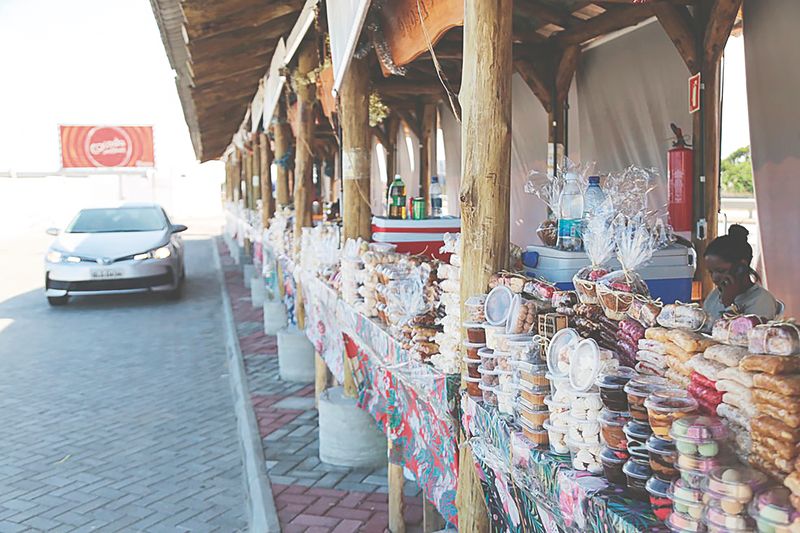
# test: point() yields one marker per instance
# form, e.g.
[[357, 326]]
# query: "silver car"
[[131, 248]]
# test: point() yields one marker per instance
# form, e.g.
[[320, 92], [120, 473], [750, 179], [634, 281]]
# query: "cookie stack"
[[678, 347], [775, 370]]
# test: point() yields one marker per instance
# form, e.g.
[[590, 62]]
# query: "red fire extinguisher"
[[680, 170]]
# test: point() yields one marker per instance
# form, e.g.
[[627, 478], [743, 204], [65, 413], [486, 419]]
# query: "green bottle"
[[397, 198]]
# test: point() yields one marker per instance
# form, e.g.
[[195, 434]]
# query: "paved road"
[[115, 413]]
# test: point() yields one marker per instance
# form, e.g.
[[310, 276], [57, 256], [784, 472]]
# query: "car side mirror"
[[177, 228], [52, 231]]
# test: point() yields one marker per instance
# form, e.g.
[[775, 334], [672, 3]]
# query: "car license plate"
[[106, 273]]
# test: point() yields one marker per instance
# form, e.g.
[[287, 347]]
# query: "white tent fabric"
[[629, 90], [377, 185], [451, 130], [407, 169], [772, 88]]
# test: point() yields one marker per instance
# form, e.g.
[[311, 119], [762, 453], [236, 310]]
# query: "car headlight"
[[54, 256], [158, 253]]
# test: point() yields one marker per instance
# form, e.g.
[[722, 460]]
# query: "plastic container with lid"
[[498, 305], [473, 386], [584, 365], [474, 308], [475, 332], [715, 516], [660, 502], [734, 486], [491, 333], [536, 434], [637, 432], [637, 391], [613, 461], [662, 455], [585, 405], [585, 457], [531, 394], [559, 350], [519, 318], [691, 478], [534, 373], [639, 454], [663, 408], [524, 348], [611, 424], [490, 377], [773, 512], [559, 383], [611, 385], [472, 367], [489, 394], [583, 431], [471, 349], [679, 522], [637, 475], [559, 412], [534, 415], [488, 358], [557, 435], [686, 499], [699, 429]]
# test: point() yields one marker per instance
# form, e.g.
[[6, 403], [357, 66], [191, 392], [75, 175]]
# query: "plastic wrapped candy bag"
[[628, 190], [635, 246], [599, 247]]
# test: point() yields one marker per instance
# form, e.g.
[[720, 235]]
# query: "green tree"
[[736, 172]]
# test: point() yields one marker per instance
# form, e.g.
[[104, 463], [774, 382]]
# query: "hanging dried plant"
[[378, 111]]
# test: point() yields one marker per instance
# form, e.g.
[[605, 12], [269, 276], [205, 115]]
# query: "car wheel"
[[57, 300]]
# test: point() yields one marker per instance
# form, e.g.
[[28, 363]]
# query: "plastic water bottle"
[[593, 198], [570, 215], [436, 197]]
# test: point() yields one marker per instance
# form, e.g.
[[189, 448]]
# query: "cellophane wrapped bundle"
[[547, 187], [599, 247], [635, 247]]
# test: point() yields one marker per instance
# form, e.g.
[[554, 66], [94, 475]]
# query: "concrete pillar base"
[[295, 356], [274, 317], [247, 273], [236, 253], [257, 291], [348, 435]]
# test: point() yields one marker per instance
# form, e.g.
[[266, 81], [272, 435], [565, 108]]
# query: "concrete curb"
[[262, 514]]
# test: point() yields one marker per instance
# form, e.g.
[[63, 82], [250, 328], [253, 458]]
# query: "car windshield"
[[116, 220]]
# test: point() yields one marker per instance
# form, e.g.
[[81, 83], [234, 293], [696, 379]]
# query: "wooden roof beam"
[[677, 22], [720, 23], [537, 80], [610, 21], [259, 14], [566, 71]]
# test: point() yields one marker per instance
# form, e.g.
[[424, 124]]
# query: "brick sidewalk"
[[309, 495]]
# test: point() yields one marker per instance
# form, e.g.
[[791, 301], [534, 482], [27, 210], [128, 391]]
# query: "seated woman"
[[737, 289]]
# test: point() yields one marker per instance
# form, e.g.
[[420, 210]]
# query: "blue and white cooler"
[[668, 275]]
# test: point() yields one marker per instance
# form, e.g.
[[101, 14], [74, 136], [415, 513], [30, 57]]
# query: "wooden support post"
[[356, 151], [267, 201], [283, 142], [237, 176], [228, 179], [248, 192], [713, 25], [485, 186], [397, 523], [321, 377], [307, 61], [256, 171], [427, 159]]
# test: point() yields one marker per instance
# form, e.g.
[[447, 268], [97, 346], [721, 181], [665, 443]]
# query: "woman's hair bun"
[[738, 232]]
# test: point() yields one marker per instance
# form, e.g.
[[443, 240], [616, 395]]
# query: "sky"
[[103, 62], [84, 62]]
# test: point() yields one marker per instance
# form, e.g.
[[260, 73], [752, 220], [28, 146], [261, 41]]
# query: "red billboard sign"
[[106, 146]]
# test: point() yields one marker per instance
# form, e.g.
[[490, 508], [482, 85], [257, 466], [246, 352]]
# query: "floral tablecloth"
[[412, 403], [531, 490]]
